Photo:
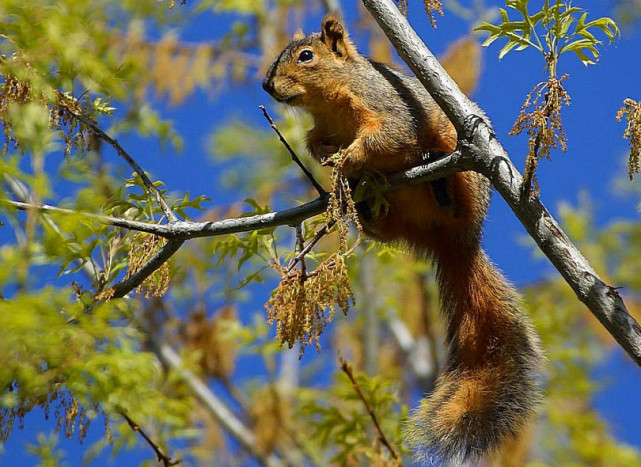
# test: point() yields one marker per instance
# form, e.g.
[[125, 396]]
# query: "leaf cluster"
[[557, 28], [339, 419], [77, 371]]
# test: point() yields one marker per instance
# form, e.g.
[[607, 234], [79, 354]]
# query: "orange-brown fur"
[[386, 122]]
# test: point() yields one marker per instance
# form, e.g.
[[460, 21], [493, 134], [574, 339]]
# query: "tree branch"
[[321, 191], [213, 404], [185, 230], [125, 286], [162, 457], [480, 147], [180, 231], [381, 436], [125, 155], [138, 226]]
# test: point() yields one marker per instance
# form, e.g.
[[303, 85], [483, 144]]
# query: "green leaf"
[[584, 58], [556, 22]]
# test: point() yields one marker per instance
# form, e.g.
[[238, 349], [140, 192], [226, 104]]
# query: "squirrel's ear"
[[335, 36], [298, 35]]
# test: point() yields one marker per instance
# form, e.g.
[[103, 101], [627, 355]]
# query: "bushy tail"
[[488, 391]]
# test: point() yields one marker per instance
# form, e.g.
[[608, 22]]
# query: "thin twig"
[[356, 244], [321, 191], [531, 164], [381, 436], [530, 169], [138, 226], [303, 249], [162, 457], [301, 253], [125, 155], [20, 190], [301, 246]]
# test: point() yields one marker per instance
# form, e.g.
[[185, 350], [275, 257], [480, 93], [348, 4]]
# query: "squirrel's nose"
[[268, 85]]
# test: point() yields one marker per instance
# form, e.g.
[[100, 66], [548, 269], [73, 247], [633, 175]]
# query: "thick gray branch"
[[180, 231], [478, 144], [185, 230], [108, 220]]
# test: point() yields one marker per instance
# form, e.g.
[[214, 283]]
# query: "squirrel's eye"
[[305, 56]]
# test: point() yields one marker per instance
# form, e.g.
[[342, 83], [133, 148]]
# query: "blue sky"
[[595, 157]]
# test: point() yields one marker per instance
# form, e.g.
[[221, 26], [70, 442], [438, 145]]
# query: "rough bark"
[[479, 146]]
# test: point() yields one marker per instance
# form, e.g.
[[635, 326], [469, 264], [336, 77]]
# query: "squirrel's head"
[[304, 70]]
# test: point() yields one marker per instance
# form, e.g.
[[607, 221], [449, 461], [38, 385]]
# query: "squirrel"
[[384, 121]]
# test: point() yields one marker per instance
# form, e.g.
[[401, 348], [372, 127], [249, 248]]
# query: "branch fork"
[[486, 155]]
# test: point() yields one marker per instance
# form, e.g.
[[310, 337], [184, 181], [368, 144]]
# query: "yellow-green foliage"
[[339, 419], [84, 362], [78, 365]]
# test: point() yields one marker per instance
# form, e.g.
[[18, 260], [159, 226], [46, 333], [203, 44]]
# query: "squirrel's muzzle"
[[268, 85]]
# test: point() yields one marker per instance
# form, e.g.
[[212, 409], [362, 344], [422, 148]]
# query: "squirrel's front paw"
[[327, 154], [326, 151], [352, 158]]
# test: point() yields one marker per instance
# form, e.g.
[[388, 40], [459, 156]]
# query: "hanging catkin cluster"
[[542, 124], [632, 112], [305, 302]]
